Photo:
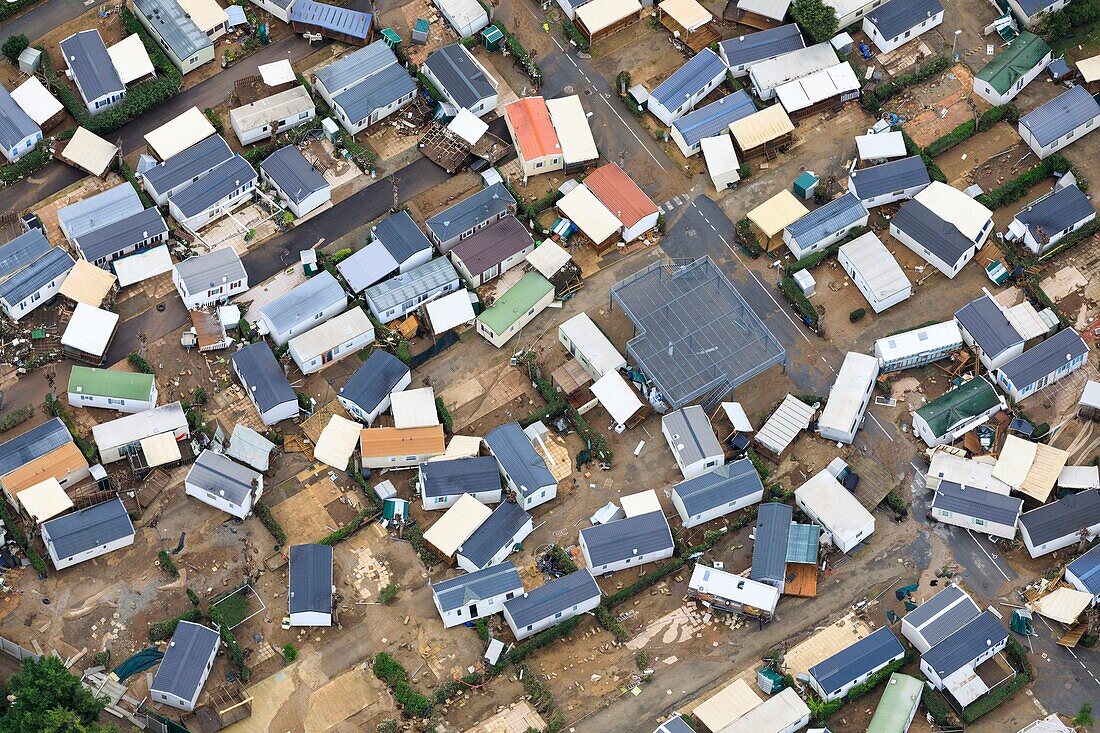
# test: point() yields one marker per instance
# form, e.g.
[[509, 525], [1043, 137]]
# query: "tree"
[[45, 697], [290, 652], [1083, 718], [14, 46], [817, 19]]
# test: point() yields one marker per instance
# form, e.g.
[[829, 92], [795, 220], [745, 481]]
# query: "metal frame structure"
[[695, 336]]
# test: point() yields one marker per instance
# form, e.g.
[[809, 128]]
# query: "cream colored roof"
[[180, 133], [36, 100], [688, 13], [414, 408], [1025, 319], [277, 73], [1015, 461], [589, 215], [956, 208], [727, 705], [1030, 468], [642, 502], [450, 311], [130, 58], [574, 133], [1089, 68], [761, 127], [333, 332], [457, 524], [461, 446], [207, 14], [1063, 605], [337, 442], [590, 342], [620, 401], [600, 14], [777, 213], [90, 152], [270, 110], [87, 284], [143, 265], [834, 506], [548, 258], [468, 126], [45, 500], [160, 449]]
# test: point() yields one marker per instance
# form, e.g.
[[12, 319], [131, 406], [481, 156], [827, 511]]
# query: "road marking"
[[678, 202], [761, 284], [979, 544], [880, 426], [572, 62]]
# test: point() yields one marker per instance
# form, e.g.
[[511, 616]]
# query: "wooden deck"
[[801, 580]]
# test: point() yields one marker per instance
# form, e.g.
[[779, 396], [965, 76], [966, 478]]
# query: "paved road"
[[44, 17]]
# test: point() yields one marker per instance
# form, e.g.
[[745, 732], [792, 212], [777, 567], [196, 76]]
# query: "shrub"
[[747, 240], [481, 626], [163, 630], [390, 671], [817, 19], [290, 652], [340, 255], [857, 314], [811, 261], [609, 622], [14, 46], [542, 639], [574, 36], [214, 120], [193, 597], [270, 523], [641, 660], [15, 417], [935, 706], [389, 725], [347, 530], [968, 129], [139, 362], [58, 410], [387, 593], [28, 164], [649, 579], [444, 416], [101, 658], [235, 652], [872, 100], [167, 565], [801, 303]]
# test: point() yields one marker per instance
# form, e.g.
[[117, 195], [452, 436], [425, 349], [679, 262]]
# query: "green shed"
[[897, 706], [491, 38], [390, 36], [805, 184], [420, 31]]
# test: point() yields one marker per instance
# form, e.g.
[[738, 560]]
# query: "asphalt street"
[[44, 17]]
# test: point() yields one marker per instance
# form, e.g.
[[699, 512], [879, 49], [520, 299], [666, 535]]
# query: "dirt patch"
[[938, 106]]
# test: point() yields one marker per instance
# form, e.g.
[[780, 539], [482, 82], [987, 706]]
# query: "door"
[[490, 273], [473, 610], [326, 357]]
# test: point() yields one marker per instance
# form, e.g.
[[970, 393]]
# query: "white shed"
[[582, 338], [721, 160]]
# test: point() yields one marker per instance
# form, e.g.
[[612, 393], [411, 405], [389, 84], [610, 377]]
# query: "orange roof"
[[530, 122], [620, 194], [385, 442], [56, 464]]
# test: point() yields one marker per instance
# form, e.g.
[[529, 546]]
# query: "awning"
[[688, 13], [590, 216], [642, 502], [337, 442], [1064, 605], [736, 414], [160, 449], [548, 258], [36, 100], [617, 397], [90, 330], [1089, 68], [237, 17], [881, 145], [777, 213], [461, 446], [130, 59], [144, 265], [468, 126], [179, 134], [275, 74], [45, 500], [249, 447], [414, 408], [89, 152], [450, 311], [87, 284]]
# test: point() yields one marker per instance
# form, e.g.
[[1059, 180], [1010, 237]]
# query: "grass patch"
[[234, 608]]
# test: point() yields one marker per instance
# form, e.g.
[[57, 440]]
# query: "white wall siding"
[[584, 606], [886, 45], [446, 502], [64, 562]]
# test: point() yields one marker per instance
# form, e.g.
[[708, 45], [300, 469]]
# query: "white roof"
[[876, 266], [457, 524], [271, 110], [144, 265], [881, 145], [620, 401], [733, 588], [468, 126], [974, 472], [90, 329], [337, 442], [461, 446], [316, 341], [160, 449], [1089, 68], [585, 210], [1090, 395], [853, 380], [450, 311], [955, 207], [736, 698], [792, 65], [277, 73], [688, 13], [643, 502], [1015, 461], [45, 500], [1026, 320], [600, 14], [781, 712], [719, 155], [574, 133], [414, 408], [930, 338], [1079, 477], [548, 258], [130, 58], [131, 428], [591, 342], [36, 100], [774, 9], [792, 417], [207, 14], [1063, 605], [89, 151], [834, 506], [736, 415], [817, 87], [180, 133]]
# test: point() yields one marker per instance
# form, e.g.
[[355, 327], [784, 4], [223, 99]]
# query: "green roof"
[[492, 33], [895, 709], [969, 400], [391, 35], [1011, 64], [803, 542], [519, 299], [110, 383]]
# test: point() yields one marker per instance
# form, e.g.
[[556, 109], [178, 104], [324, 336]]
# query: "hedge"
[[610, 623], [347, 530], [984, 704], [968, 129], [167, 565], [649, 579], [811, 261], [541, 639], [57, 409], [15, 417], [747, 240], [163, 630], [805, 308], [444, 416], [873, 99], [822, 710], [573, 35], [139, 362], [390, 671], [1072, 239], [231, 644], [1019, 186], [9, 9], [270, 522], [28, 164]]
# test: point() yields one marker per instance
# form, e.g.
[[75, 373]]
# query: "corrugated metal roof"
[[317, 294], [691, 78], [520, 460], [117, 236], [479, 207], [965, 645], [493, 244], [897, 705], [869, 653], [939, 237], [769, 546], [88, 528], [134, 428], [761, 127], [175, 27], [266, 380], [1065, 113], [356, 66], [639, 535], [183, 668], [374, 380], [401, 237], [600, 14], [310, 579], [1023, 54], [15, 124], [943, 615], [574, 132], [714, 118], [895, 175], [463, 80], [214, 186], [22, 284], [498, 531], [719, 487], [375, 92], [977, 503], [827, 220], [989, 326], [835, 81], [875, 265], [1055, 212], [590, 341], [897, 16], [22, 251], [340, 329], [33, 444], [762, 45], [195, 161], [1044, 358], [409, 285], [1087, 570], [692, 435], [794, 65], [1063, 518], [478, 586], [272, 110], [461, 476], [554, 596], [86, 54], [293, 174], [222, 476], [100, 210], [331, 18], [792, 417], [213, 268]]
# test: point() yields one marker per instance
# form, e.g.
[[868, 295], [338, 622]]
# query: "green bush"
[[290, 652], [816, 19], [936, 706], [128, 173], [15, 417], [562, 560], [573, 35], [968, 129], [167, 565], [873, 99], [390, 671], [163, 630], [481, 626], [609, 623], [139, 362], [87, 447], [542, 639], [646, 581], [270, 523], [811, 261], [747, 239], [387, 593], [1072, 239], [347, 530], [215, 121], [193, 597], [857, 315], [790, 289], [235, 651], [444, 416], [1019, 186], [14, 46]]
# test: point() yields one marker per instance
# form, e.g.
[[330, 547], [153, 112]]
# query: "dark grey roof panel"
[[988, 326], [214, 186], [87, 56], [195, 161], [310, 579], [203, 272], [869, 653], [35, 443], [374, 380], [375, 92], [965, 645], [22, 251], [939, 237], [714, 118], [925, 611], [1061, 115], [1062, 518], [514, 451], [222, 476], [689, 79], [83, 530], [117, 236], [827, 220], [978, 503], [266, 381], [175, 27], [553, 597], [889, 177], [401, 237], [15, 124], [494, 533], [769, 546], [293, 174], [459, 476], [638, 535], [725, 484], [462, 79], [317, 294], [473, 587], [762, 45], [1056, 212], [183, 668], [897, 16], [475, 209], [1045, 358], [1087, 569], [356, 66], [22, 284]]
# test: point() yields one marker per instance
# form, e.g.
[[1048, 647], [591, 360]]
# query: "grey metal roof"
[[174, 26], [827, 220], [1066, 112], [83, 530], [374, 380], [355, 67], [1044, 358], [951, 609], [223, 477], [1033, 7], [213, 268], [265, 378], [331, 18], [714, 118], [966, 644], [1087, 569], [367, 266], [762, 45], [494, 533], [869, 653], [977, 503], [719, 487], [98, 211], [479, 207], [22, 251], [674, 724], [53, 264], [988, 326], [769, 545], [310, 578], [638, 535], [119, 235], [15, 124], [411, 284], [293, 174], [304, 301], [459, 476], [401, 237], [1063, 518], [493, 244], [473, 587], [689, 79], [552, 597], [517, 455], [214, 186], [894, 175], [1056, 212], [35, 443], [897, 16], [195, 161], [939, 237], [690, 428], [183, 668], [87, 56], [461, 78], [375, 92]]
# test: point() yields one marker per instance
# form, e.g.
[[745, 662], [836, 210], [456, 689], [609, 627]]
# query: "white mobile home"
[[400, 447], [1043, 364], [939, 617], [266, 118], [583, 339], [224, 484], [895, 23], [296, 181], [1054, 125], [496, 538], [366, 394], [834, 676], [918, 347], [944, 226], [112, 389], [471, 596], [521, 466], [728, 592], [265, 383], [625, 543], [718, 492], [825, 225], [689, 84], [1061, 523], [958, 411], [186, 665], [552, 603], [305, 307], [401, 295], [691, 439], [513, 310], [117, 439], [848, 398], [828, 503], [443, 482], [1042, 223], [767, 76], [1012, 69], [875, 272], [949, 665], [330, 342], [976, 509], [311, 588], [888, 182], [88, 533]]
